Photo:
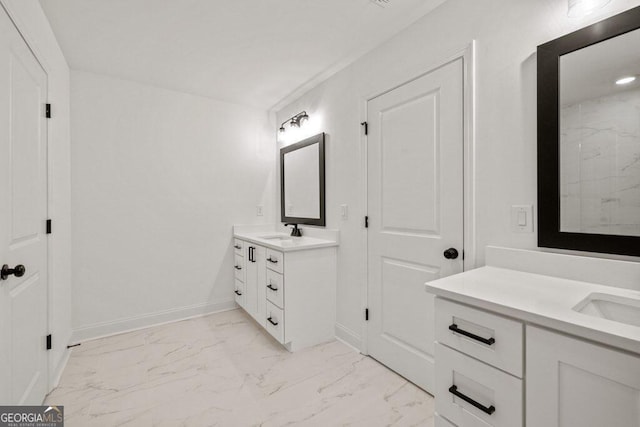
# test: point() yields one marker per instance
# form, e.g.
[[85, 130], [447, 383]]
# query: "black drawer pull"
[[238, 292], [272, 288], [272, 322], [275, 261], [454, 390], [486, 341], [237, 267], [237, 247]]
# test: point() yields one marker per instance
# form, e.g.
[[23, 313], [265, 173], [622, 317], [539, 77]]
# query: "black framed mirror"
[[302, 183], [589, 138]]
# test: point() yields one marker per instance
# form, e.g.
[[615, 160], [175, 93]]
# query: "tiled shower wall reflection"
[[600, 165]]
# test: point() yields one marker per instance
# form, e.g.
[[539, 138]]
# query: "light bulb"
[[580, 8], [625, 80]]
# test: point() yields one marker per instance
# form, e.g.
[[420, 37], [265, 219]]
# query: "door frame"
[[467, 55], [23, 30]]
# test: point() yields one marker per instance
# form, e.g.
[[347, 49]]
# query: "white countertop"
[[542, 300], [283, 241]]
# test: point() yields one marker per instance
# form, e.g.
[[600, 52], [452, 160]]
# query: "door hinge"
[[366, 127], [49, 342], [366, 314], [48, 226], [366, 222], [47, 111]]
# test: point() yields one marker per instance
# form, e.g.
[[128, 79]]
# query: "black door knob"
[[18, 271], [451, 253]]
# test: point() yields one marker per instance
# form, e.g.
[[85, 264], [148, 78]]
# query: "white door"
[[23, 213], [571, 382], [415, 209]]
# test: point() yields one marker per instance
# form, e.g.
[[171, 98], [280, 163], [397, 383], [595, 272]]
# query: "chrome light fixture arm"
[[295, 121]]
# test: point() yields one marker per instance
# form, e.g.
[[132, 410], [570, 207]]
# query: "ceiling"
[[251, 52]]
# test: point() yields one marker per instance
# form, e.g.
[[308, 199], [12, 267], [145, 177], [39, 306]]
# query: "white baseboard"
[[348, 337], [105, 329]]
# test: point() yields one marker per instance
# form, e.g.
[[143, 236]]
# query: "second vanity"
[[287, 284], [514, 348]]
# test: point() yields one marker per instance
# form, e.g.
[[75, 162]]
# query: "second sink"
[[276, 237], [612, 307]]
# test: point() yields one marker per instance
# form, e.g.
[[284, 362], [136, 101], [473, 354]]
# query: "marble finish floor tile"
[[224, 370]]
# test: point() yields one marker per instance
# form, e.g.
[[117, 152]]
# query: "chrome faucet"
[[295, 231]]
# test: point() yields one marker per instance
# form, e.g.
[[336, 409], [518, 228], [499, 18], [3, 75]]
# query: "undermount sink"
[[611, 307], [276, 237]]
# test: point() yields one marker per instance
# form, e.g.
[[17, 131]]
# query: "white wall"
[[34, 27], [158, 179], [507, 34]]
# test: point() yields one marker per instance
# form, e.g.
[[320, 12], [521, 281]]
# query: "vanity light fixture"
[[625, 80], [295, 121], [580, 8]]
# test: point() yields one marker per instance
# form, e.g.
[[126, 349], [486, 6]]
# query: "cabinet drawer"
[[493, 339], [275, 260], [275, 288], [275, 321], [238, 267], [441, 422], [239, 292], [473, 381], [238, 246]]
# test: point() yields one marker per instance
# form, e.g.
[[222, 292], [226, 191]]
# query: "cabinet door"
[[255, 277], [571, 382]]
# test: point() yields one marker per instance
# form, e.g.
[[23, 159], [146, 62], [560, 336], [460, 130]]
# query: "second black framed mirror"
[[589, 138], [302, 182]]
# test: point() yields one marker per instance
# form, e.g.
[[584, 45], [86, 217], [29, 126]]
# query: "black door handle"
[[488, 341], [451, 253], [237, 246], [274, 261], [272, 288], [238, 267], [238, 292], [487, 410], [272, 322], [18, 271]]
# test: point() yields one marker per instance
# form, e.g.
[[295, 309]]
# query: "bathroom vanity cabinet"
[[288, 288], [572, 382], [479, 370], [512, 350], [250, 268]]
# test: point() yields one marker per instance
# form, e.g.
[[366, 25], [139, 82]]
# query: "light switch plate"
[[522, 218], [344, 211], [259, 210]]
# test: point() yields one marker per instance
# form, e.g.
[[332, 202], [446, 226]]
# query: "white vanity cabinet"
[[478, 367], [571, 382], [522, 344], [291, 293], [567, 381]]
